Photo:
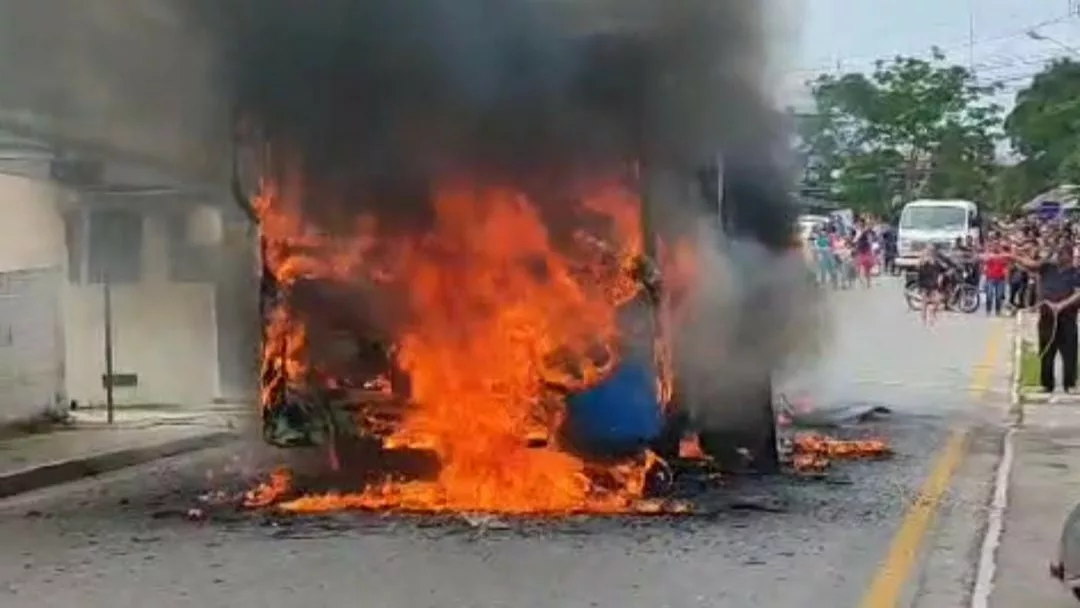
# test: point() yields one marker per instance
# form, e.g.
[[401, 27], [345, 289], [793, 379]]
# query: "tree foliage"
[[911, 128], [1044, 127]]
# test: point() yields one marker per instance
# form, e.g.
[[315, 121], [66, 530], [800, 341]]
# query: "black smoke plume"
[[391, 93], [378, 98]]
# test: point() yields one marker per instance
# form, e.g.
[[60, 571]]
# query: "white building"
[[182, 281]]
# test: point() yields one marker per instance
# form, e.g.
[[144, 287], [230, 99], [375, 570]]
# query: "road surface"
[[856, 539]]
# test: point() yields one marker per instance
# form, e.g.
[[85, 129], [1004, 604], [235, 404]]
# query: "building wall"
[[31, 281], [164, 330], [31, 229], [52, 320]]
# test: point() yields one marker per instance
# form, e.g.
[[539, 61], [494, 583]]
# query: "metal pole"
[[971, 37], [107, 293]]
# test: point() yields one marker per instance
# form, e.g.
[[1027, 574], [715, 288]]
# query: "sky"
[[826, 36]]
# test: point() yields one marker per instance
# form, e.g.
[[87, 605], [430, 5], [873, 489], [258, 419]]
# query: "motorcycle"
[[962, 291]]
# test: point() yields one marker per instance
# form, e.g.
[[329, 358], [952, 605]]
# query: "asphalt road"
[[850, 540]]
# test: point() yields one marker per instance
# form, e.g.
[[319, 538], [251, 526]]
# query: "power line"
[[988, 69], [1005, 67], [969, 42]]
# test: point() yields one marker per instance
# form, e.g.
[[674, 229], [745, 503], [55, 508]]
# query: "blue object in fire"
[[621, 414]]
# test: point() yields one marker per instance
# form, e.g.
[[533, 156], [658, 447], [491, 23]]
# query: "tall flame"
[[498, 324]]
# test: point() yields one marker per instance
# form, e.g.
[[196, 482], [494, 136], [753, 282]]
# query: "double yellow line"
[[887, 587]]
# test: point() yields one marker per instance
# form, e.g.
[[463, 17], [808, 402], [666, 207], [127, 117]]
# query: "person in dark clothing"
[[888, 239], [952, 272], [1018, 285], [973, 267], [930, 277], [1024, 280], [1059, 299]]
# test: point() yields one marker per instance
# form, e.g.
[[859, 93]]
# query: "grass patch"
[[1029, 365]]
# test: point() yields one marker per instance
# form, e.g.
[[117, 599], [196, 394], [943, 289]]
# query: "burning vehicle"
[[331, 381], [362, 380], [485, 246]]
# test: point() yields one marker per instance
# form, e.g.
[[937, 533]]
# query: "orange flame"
[[813, 452], [690, 448], [270, 491], [495, 315]]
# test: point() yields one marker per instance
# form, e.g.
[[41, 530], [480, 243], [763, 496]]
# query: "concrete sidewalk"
[[1043, 468], [1044, 485], [88, 445]]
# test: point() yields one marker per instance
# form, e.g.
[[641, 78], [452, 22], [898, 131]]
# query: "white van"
[[941, 222]]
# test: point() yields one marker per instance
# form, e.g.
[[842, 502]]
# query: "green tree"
[[1012, 186], [1044, 126], [912, 128]]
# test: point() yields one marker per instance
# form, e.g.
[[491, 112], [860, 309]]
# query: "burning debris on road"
[[674, 484], [492, 266], [813, 453]]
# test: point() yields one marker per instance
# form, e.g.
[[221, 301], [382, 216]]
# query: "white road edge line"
[[1018, 351], [995, 520]]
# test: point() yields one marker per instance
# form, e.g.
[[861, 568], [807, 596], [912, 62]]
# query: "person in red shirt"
[[995, 263]]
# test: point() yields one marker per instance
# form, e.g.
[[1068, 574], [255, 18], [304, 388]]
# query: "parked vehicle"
[[935, 222]]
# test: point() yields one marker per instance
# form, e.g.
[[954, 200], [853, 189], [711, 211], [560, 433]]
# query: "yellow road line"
[[982, 377], [888, 584]]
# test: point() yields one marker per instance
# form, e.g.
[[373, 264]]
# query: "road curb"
[[986, 565], [1016, 397], [66, 471]]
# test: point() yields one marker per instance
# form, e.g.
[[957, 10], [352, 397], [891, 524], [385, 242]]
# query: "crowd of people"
[[1021, 264], [844, 257], [1009, 266]]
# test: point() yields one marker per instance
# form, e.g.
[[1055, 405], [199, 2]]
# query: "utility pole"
[[106, 288], [971, 35]]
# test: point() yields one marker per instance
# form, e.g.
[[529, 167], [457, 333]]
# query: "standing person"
[[995, 270], [826, 260], [1027, 280], [975, 268], [1059, 298], [888, 241], [1029, 230], [967, 259], [864, 253], [930, 276], [845, 262], [1018, 281]]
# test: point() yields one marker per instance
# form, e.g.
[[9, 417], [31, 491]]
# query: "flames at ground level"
[[495, 318], [812, 454], [492, 316]]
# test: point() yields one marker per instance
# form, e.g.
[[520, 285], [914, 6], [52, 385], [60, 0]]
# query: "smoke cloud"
[[753, 315], [378, 98]]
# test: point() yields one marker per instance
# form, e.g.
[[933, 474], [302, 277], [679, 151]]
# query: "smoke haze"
[[378, 98]]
